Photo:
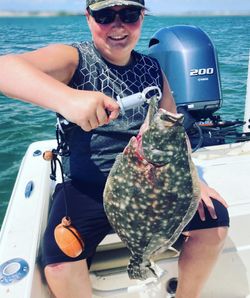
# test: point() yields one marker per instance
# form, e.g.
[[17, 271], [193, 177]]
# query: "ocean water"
[[21, 123]]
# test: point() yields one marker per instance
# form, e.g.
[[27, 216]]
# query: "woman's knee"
[[67, 269], [218, 235], [212, 236], [61, 270]]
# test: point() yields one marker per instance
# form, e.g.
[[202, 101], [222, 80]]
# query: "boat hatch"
[[13, 271]]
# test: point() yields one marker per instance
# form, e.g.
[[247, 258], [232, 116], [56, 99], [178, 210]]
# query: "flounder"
[[152, 190]]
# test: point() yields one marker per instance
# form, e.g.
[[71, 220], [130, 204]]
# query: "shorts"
[[85, 208]]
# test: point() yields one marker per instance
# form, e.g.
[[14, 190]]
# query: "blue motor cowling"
[[188, 58]]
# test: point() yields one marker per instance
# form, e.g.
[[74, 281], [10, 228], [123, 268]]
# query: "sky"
[[155, 6]]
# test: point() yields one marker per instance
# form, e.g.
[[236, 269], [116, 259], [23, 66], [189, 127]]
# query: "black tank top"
[[93, 153]]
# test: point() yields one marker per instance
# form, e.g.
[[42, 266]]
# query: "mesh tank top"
[[93, 153]]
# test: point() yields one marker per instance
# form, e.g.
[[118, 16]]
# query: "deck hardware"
[[13, 271], [171, 286], [37, 153], [28, 189]]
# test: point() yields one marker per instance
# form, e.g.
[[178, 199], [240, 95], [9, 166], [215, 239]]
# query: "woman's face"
[[116, 40]]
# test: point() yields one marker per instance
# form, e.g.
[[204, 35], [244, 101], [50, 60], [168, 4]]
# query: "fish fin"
[[117, 162], [113, 172]]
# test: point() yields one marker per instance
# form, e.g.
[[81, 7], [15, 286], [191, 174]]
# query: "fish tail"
[[140, 269]]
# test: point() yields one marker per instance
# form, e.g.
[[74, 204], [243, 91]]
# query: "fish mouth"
[[170, 117]]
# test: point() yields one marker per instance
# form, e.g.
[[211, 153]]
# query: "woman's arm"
[[40, 78], [167, 101]]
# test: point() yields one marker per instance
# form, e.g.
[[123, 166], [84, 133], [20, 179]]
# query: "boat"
[[223, 166]]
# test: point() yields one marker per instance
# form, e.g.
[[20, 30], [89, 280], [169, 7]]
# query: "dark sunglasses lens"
[[104, 16], [107, 16], [129, 15]]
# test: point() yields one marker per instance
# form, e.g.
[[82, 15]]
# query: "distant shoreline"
[[67, 13], [38, 13]]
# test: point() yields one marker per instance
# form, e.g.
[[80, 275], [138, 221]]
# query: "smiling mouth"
[[118, 38]]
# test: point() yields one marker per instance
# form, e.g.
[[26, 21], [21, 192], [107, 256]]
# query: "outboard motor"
[[188, 58]]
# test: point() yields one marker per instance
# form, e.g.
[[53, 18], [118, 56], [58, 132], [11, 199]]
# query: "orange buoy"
[[48, 155], [68, 239]]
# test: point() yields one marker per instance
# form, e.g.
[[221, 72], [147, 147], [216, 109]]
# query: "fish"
[[152, 190]]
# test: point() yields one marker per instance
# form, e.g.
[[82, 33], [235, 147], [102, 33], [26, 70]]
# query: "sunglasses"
[[127, 15]]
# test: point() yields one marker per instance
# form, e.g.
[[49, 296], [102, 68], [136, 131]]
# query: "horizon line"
[[9, 13]]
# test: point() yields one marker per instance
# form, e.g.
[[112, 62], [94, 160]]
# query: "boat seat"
[[112, 253]]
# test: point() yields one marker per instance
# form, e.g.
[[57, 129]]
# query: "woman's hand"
[[206, 194], [89, 109]]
